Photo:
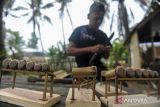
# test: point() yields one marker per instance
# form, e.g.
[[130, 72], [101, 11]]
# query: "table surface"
[[61, 88]]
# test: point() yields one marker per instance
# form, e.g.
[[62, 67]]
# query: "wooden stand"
[[27, 98], [129, 74], [119, 80], [44, 101], [83, 98], [80, 97], [100, 88]]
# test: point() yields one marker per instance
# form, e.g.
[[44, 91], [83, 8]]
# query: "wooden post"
[[45, 86], [51, 90], [158, 89], [116, 89], [109, 86], [149, 87], [0, 75], [87, 82], [94, 90], [120, 86], [73, 86], [14, 79], [106, 88]]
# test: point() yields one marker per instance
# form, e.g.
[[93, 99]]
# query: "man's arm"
[[74, 50]]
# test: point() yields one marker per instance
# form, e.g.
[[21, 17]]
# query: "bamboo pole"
[[14, 80], [0, 75], [106, 88], [73, 88], [51, 87], [118, 71], [94, 89], [45, 87], [83, 71]]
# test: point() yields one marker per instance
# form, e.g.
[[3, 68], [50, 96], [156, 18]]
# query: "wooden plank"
[[27, 98], [100, 88], [83, 98], [136, 100], [60, 74]]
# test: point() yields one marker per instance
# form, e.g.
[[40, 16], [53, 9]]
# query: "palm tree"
[[123, 15], [35, 8], [2, 48], [62, 9], [4, 4]]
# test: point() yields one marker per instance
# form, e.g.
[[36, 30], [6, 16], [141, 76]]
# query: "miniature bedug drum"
[[120, 74], [129, 72], [84, 72]]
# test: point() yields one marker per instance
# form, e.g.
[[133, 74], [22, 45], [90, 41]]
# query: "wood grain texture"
[[84, 70], [119, 71], [5, 62], [30, 66], [130, 72], [13, 64], [38, 67], [83, 98], [45, 67], [145, 73], [27, 98], [138, 72], [22, 64]]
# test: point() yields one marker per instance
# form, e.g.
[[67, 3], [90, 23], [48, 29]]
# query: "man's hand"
[[96, 48], [106, 51], [99, 48]]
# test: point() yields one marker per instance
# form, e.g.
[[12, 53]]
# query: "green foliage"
[[14, 42], [2, 56], [57, 56], [33, 41], [118, 53], [57, 53]]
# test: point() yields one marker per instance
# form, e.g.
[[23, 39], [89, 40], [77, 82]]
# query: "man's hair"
[[96, 7]]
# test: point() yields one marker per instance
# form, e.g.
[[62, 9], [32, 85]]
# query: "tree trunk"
[[2, 47]]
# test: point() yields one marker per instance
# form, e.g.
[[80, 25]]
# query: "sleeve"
[[75, 36]]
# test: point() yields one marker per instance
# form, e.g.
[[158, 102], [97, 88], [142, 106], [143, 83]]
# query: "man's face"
[[95, 19]]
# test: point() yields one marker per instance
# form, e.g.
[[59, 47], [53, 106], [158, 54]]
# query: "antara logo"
[[122, 100]]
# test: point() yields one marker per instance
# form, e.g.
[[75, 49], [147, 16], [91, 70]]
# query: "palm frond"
[[112, 20], [132, 15], [47, 19], [15, 16], [48, 5], [69, 17], [19, 8], [144, 3]]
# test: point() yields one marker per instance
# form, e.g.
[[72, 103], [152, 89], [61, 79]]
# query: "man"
[[88, 43]]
